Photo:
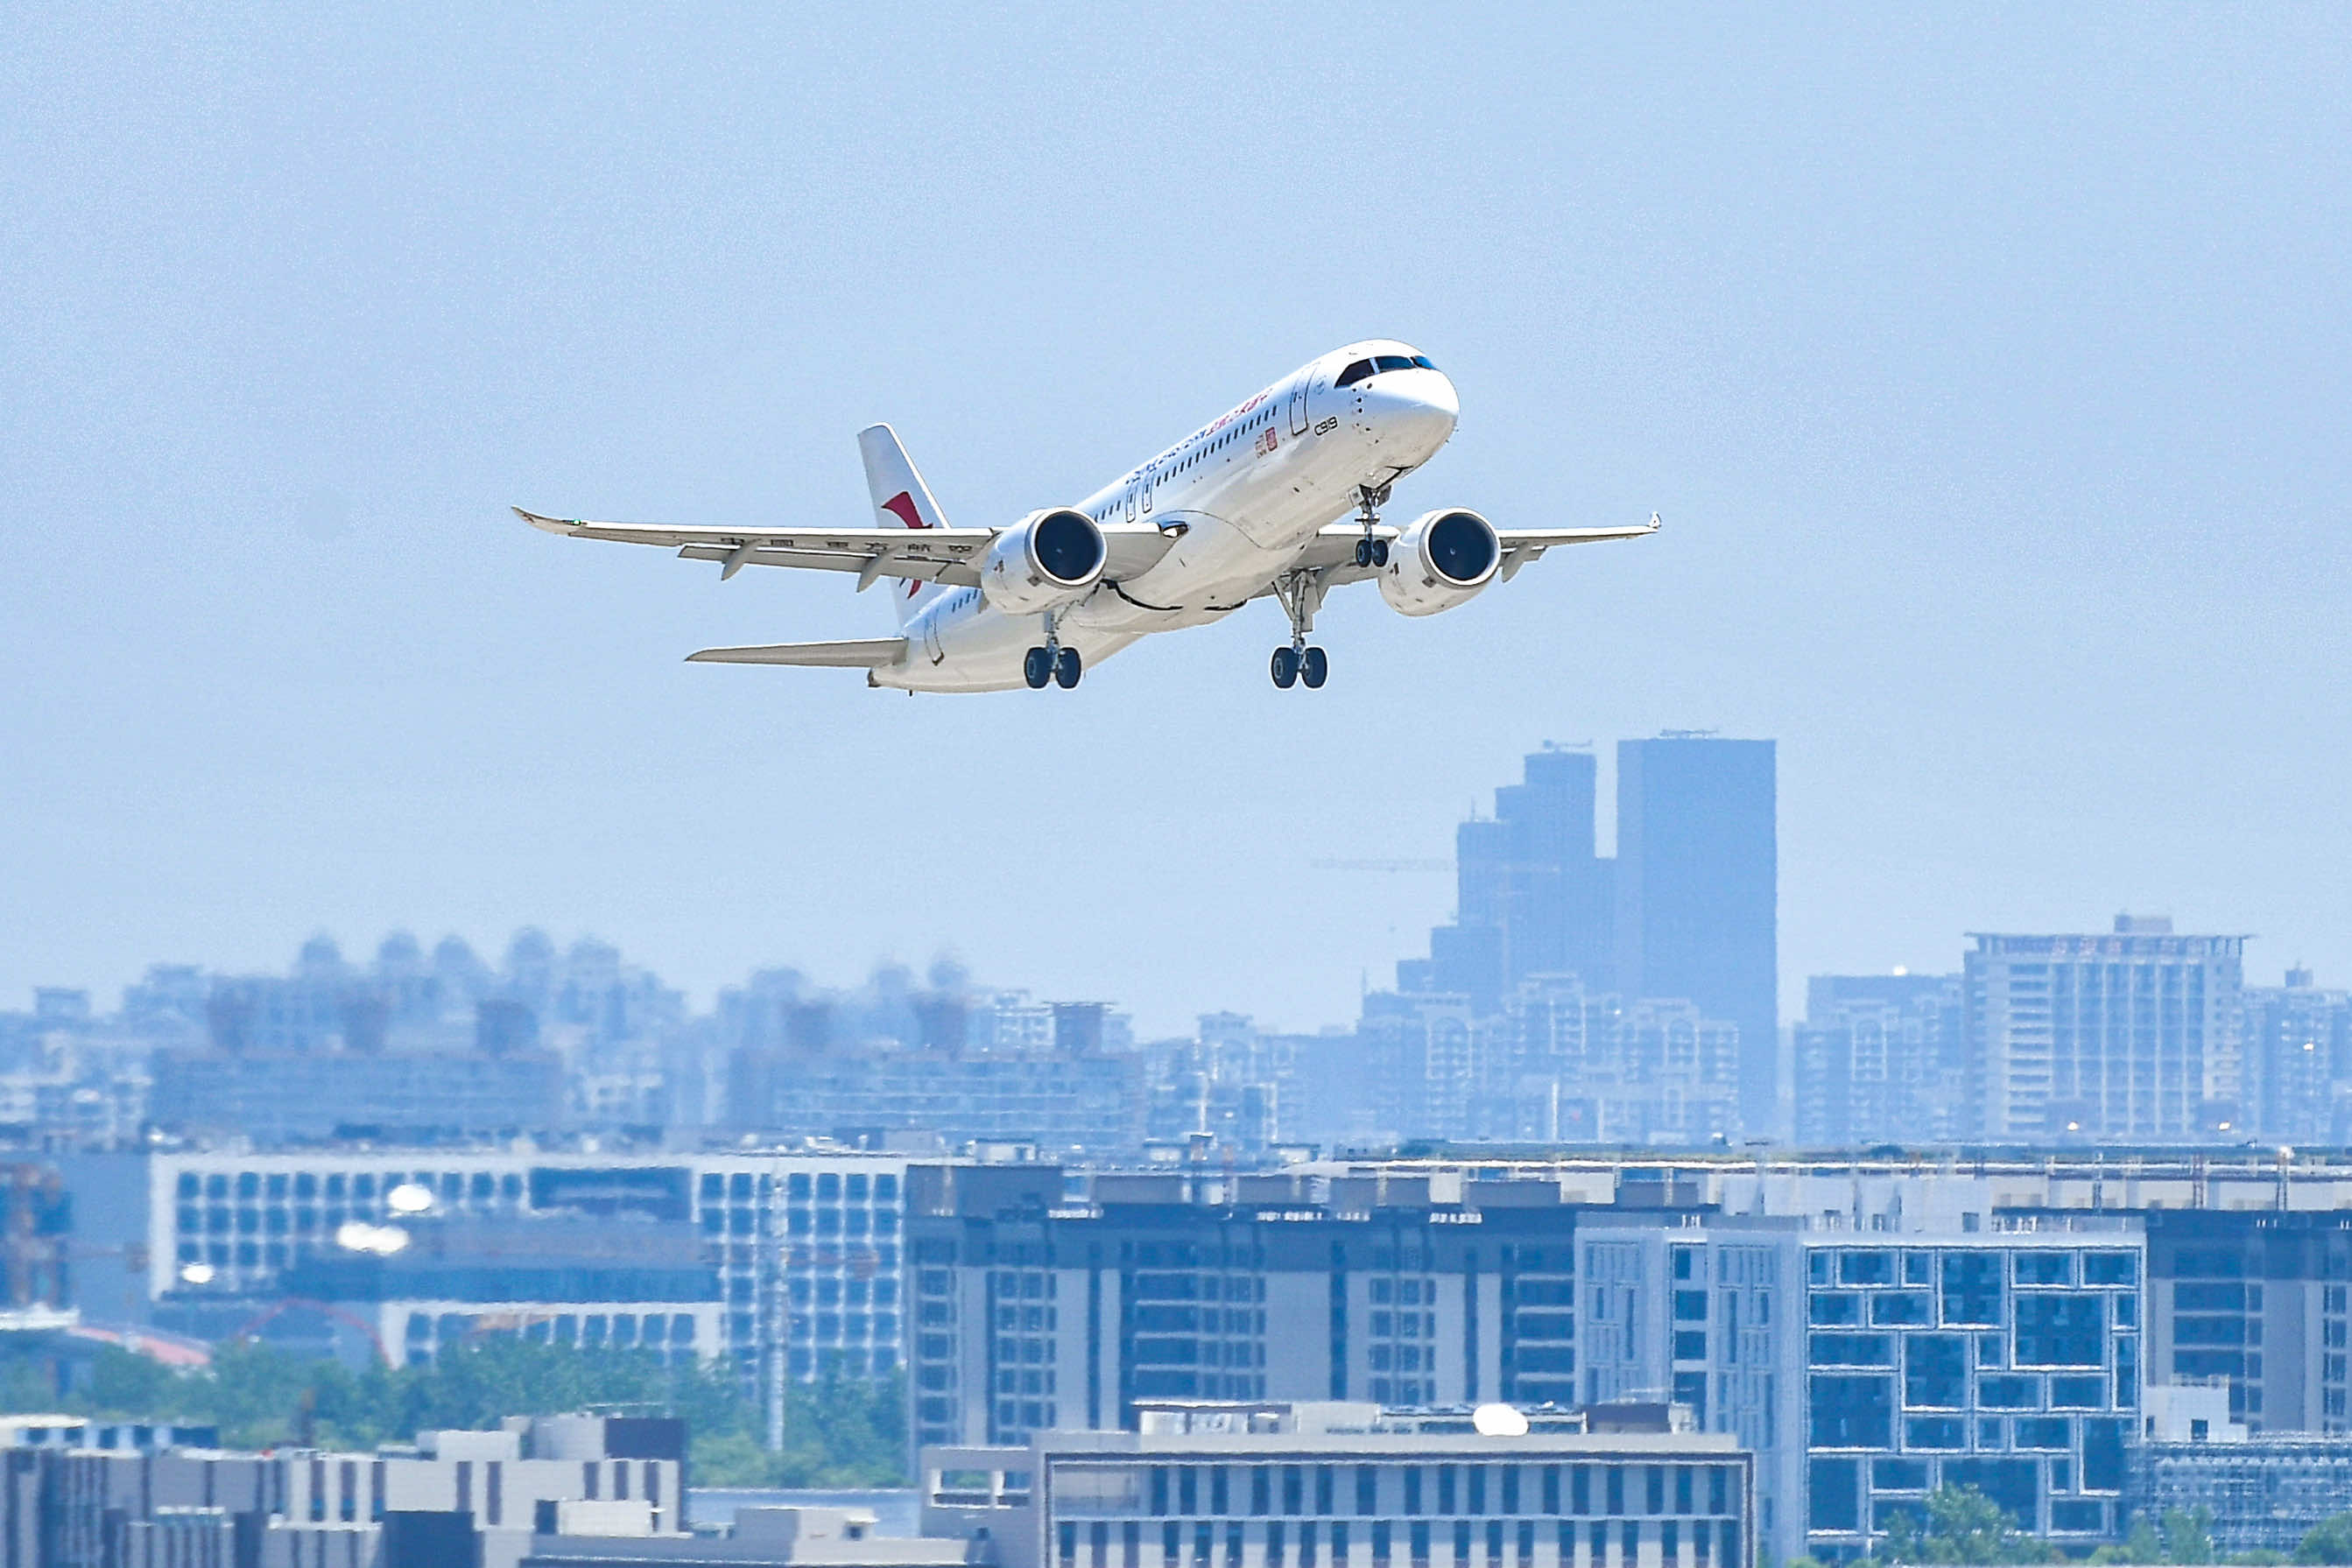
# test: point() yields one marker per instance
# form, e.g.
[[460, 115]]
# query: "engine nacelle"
[[1441, 561], [1051, 558]]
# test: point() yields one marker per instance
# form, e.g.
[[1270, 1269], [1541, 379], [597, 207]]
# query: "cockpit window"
[[1392, 363], [1422, 362], [1355, 372]]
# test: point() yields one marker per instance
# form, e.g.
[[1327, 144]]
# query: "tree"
[[839, 1431], [2329, 1541], [1962, 1526], [2187, 1534]]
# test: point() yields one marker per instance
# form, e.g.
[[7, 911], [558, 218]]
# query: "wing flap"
[[869, 653], [855, 546], [895, 564]]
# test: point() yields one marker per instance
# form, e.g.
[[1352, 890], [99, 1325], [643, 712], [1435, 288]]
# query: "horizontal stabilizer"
[[871, 653]]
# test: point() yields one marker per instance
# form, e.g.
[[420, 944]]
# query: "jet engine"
[[1050, 559], [1441, 561]]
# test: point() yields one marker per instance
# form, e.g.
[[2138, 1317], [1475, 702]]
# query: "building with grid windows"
[[1338, 1486], [2131, 1035], [1867, 1370], [806, 1245]]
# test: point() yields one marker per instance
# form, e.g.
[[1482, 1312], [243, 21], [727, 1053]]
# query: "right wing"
[[942, 554], [868, 654], [1332, 549]]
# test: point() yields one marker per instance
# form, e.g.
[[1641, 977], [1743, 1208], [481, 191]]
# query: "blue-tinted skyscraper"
[[1533, 899], [1697, 892]]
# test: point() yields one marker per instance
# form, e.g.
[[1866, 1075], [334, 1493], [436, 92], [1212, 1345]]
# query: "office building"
[[1879, 1059], [1696, 893], [1038, 1308], [2134, 1035], [1923, 1355], [806, 1245], [624, 1281], [1325, 1485]]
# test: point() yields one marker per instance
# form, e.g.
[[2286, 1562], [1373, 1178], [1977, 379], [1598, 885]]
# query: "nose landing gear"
[[1370, 552], [1301, 593]]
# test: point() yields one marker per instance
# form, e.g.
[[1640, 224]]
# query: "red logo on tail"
[[902, 507]]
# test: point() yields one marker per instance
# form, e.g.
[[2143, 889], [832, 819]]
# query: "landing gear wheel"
[[1313, 666], [1037, 668], [1380, 552], [1363, 552], [1067, 669], [1286, 667]]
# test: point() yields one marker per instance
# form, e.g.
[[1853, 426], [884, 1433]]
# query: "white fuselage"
[[1239, 498]]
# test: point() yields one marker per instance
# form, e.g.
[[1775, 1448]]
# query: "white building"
[[1337, 1486]]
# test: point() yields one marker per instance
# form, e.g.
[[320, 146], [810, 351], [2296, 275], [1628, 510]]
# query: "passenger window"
[[1355, 372]]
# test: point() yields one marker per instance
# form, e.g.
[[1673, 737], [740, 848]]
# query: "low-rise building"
[[764, 1538], [1338, 1485], [453, 1498], [2259, 1491]]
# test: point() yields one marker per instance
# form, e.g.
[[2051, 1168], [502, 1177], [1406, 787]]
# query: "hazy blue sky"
[[1990, 366]]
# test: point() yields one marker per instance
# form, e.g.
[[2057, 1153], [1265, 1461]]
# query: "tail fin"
[[903, 500]]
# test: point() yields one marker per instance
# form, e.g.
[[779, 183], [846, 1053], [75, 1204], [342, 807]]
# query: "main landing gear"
[[1309, 665], [1053, 662], [1370, 552], [1301, 593]]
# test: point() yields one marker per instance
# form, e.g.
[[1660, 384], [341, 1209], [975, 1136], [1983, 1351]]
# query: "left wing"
[[941, 555], [1332, 551], [945, 555]]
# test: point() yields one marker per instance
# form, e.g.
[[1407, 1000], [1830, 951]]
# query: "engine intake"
[[1443, 560], [1050, 559]]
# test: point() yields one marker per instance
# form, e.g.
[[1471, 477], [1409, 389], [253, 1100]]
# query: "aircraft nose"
[[1415, 409]]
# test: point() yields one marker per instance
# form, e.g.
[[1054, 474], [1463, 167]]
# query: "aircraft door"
[[1299, 404], [1150, 479], [1131, 489]]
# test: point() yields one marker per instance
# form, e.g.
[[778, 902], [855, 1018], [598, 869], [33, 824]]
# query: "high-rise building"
[[1878, 1059], [2298, 1053], [1532, 897], [2134, 1034], [1697, 880]]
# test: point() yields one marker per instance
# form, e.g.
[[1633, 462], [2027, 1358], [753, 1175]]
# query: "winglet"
[[551, 524], [1655, 524]]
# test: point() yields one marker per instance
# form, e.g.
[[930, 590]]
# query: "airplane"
[[1280, 497]]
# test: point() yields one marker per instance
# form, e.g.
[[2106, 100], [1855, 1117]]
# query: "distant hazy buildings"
[[1698, 891], [276, 1096], [1581, 998], [1534, 896], [2132, 1035], [2298, 1050], [1879, 1059]]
